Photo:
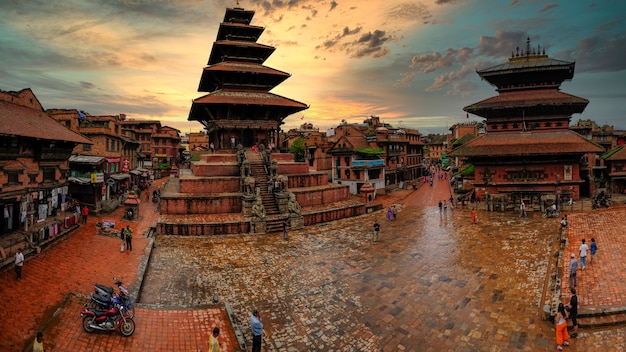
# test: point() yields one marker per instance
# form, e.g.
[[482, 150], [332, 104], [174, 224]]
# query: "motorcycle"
[[108, 320], [104, 298]]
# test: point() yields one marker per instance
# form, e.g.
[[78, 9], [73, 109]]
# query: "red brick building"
[[34, 165], [529, 153]]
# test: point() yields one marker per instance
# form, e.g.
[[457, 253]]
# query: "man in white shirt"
[[583, 254], [19, 263]]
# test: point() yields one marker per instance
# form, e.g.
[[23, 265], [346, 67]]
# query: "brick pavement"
[[433, 283]]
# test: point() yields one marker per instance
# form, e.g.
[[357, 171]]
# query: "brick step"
[[599, 320]]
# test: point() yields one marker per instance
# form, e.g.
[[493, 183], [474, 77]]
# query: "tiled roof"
[[245, 67], [527, 99], [248, 98], [618, 153], [527, 63], [17, 120], [527, 143]]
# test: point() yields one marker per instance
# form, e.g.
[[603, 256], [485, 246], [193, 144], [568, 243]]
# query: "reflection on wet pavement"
[[433, 282]]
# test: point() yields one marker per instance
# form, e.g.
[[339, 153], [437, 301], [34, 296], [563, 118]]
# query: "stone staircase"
[[591, 320], [257, 170]]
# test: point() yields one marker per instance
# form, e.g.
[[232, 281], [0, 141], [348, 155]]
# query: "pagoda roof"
[[238, 15], [527, 64], [19, 120], [540, 98], [247, 98], [230, 31], [527, 144], [239, 50], [209, 84]]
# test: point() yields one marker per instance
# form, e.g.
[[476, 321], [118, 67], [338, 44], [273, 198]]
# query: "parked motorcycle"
[[108, 320], [104, 298]]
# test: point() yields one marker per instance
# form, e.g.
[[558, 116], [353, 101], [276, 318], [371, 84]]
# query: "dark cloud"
[[445, 2], [597, 54], [430, 62], [86, 85], [333, 5], [370, 44], [547, 7], [514, 3], [502, 44], [330, 43], [605, 27]]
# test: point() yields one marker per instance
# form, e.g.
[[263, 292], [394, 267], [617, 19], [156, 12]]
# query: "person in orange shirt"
[[474, 219]]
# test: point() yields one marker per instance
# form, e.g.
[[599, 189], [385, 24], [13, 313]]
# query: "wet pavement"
[[434, 282]]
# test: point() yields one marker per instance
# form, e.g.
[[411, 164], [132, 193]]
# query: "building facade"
[[528, 152], [34, 165]]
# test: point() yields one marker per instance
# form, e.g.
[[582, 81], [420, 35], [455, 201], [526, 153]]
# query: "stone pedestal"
[[296, 222], [247, 201], [282, 199], [257, 225]]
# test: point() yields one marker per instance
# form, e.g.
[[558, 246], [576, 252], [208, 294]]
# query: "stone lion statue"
[[249, 184], [258, 210], [274, 168], [293, 205], [245, 168]]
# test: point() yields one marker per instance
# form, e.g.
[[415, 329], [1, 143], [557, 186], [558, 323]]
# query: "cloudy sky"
[[413, 63]]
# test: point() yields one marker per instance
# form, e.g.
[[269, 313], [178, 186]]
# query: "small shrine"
[[131, 206]]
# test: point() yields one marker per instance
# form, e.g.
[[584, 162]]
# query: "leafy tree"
[[297, 149]]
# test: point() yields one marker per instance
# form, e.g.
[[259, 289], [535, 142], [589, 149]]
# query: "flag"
[[82, 114]]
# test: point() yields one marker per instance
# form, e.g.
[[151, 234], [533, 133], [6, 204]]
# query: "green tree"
[[297, 149]]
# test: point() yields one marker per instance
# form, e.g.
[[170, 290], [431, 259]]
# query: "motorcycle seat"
[[101, 299], [103, 288]]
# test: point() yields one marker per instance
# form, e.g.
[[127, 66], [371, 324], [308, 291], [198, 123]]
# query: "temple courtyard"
[[434, 282]]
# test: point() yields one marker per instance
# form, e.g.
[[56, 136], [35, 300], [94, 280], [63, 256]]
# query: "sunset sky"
[[412, 63]]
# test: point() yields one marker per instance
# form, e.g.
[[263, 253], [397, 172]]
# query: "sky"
[[412, 63]]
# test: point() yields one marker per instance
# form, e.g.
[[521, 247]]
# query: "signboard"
[[97, 177], [125, 165]]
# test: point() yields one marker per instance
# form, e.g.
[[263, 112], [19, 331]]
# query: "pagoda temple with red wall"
[[239, 108], [529, 153]]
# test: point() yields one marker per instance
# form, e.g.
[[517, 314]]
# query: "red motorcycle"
[[108, 320]]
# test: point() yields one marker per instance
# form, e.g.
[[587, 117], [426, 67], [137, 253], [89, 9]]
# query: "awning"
[[135, 172], [113, 160], [86, 159], [119, 176], [79, 180]]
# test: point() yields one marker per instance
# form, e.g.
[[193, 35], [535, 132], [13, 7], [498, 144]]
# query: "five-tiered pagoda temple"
[[239, 108], [529, 153]]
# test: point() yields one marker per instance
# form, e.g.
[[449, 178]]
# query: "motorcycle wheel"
[[127, 328], [87, 321]]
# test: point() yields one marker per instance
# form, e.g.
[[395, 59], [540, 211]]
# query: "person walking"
[[389, 214], [129, 238], [19, 263], [285, 233], [257, 330], [451, 201], [572, 308], [85, 214], [376, 230], [440, 206], [573, 266], [474, 217], [214, 344], [583, 254], [445, 206], [560, 323], [38, 343], [394, 211], [593, 250], [522, 210], [123, 238]]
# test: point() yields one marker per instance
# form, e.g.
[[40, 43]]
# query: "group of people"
[[392, 213], [570, 310]]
